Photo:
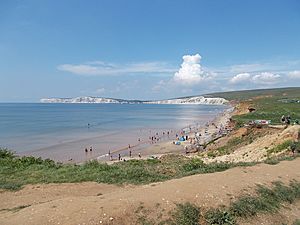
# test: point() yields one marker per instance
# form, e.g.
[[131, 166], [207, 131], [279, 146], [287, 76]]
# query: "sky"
[[142, 49]]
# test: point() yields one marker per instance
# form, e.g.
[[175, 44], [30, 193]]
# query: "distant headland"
[[184, 100]]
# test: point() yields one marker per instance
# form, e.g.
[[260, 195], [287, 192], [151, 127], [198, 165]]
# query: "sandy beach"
[[47, 131], [165, 144]]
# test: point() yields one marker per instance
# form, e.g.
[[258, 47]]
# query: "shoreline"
[[159, 149], [69, 152]]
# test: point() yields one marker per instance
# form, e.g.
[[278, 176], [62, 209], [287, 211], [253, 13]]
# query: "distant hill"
[[218, 98], [184, 100], [291, 92]]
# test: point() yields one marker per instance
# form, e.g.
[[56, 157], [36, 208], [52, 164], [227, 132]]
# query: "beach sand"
[[208, 132]]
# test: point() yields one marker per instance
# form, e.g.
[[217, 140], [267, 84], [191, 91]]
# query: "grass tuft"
[[220, 216], [186, 214], [266, 200]]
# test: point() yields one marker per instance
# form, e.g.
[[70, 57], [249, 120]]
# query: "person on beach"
[[293, 147], [91, 149], [130, 154], [288, 118], [283, 119], [140, 155], [128, 145], [86, 150], [119, 157]]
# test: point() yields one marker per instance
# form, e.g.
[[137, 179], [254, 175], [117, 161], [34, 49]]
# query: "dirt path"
[[91, 203]]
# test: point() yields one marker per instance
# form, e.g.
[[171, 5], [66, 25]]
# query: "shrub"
[[186, 214], [219, 217], [280, 147], [6, 154], [193, 164]]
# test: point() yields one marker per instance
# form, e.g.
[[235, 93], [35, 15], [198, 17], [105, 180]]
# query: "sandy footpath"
[[92, 203]]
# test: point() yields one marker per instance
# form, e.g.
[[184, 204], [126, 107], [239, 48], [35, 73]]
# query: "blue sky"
[[140, 49]]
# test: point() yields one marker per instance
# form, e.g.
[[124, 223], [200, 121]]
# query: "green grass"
[[234, 144], [276, 160], [268, 108], [279, 148], [291, 92], [186, 214], [266, 200], [226, 149], [220, 216], [19, 171], [296, 222]]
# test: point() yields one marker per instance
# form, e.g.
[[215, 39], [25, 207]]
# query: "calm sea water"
[[61, 131]]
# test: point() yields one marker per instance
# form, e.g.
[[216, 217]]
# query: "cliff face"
[[188, 100], [79, 100], [192, 100]]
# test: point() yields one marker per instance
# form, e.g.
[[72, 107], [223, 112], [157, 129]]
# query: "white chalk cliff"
[[186, 100], [192, 100]]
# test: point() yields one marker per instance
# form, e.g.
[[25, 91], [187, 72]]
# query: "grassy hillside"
[[270, 104], [290, 92], [18, 171]]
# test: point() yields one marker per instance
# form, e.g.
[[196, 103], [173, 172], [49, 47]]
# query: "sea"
[[62, 132]]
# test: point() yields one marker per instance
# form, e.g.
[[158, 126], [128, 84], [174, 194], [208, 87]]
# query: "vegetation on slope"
[[18, 171], [269, 104], [264, 200]]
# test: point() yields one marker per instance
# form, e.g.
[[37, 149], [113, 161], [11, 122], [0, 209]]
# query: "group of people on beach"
[[120, 157], [157, 137], [86, 149], [286, 119]]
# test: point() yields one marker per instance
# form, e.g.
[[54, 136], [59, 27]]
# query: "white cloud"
[[266, 78], [294, 74], [239, 78], [99, 68], [79, 69], [190, 72]]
